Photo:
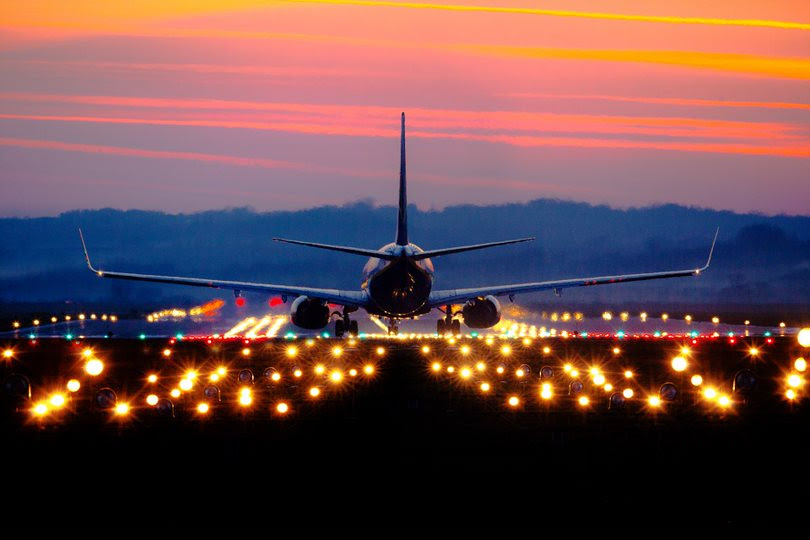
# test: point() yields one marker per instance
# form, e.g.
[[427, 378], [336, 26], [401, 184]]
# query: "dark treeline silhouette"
[[758, 260]]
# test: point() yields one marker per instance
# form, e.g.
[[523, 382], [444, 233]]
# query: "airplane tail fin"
[[402, 217]]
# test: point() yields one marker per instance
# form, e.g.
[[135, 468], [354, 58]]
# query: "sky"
[[184, 106]]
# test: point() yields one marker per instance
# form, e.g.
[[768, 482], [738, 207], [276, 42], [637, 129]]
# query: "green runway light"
[[767, 334], [142, 336], [68, 336], [620, 334], [179, 337], [657, 333]]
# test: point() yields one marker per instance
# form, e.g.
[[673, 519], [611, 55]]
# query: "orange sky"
[[296, 103]]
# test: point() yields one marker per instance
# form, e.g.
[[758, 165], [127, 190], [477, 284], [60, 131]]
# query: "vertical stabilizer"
[[402, 218]]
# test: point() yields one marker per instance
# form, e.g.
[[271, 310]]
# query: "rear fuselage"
[[401, 287]]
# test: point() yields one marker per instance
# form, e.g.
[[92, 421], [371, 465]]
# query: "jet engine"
[[309, 313], [482, 312]]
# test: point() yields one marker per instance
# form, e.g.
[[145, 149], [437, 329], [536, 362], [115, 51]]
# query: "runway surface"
[[411, 436]]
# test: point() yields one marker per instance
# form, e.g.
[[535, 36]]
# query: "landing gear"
[[345, 323], [448, 325], [393, 329]]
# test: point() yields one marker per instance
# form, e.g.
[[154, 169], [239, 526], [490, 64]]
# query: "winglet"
[[711, 251], [86, 255]]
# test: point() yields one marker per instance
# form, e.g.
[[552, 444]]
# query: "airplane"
[[397, 282]]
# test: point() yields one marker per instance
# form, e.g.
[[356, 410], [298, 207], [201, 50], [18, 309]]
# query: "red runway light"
[[275, 301], [240, 302]]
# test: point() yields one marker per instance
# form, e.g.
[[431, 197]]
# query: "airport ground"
[[406, 443]]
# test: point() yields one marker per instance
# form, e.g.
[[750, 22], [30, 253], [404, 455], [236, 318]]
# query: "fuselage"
[[401, 287]]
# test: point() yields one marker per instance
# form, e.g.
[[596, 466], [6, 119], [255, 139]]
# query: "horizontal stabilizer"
[[459, 249], [344, 249]]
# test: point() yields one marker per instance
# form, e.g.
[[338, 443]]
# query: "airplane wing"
[[455, 296], [335, 296]]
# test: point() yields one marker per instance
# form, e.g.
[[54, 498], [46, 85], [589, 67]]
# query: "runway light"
[[567, 368], [87, 353], [298, 373], [485, 387], [654, 401], [380, 351], [291, 352], [804, 337], [608, 387], [246, 351], [336, 376], [314, 391], [753, 351], [152, 378], [790, 394], [480, 366], [628, 393], [465, 350], [245, 399], [352, 372], [40, 409], [57, 400], [221, 371], [320, 369], [203, 407], [186, 385], [337, 351], [513, 401], [679, 363], [724, 401], [465, 373], [214, 377], [715, 320], [800, 364], [545, 391], [685, 350], [73, 385], [282, 408], [435, 366], [574, 373], [583, 401], [451, 369], [425, 349], [122, 409], [500, 370], [8, 353], [599, 379], [175, 393], [710, 393], [696, 380], [520, 373], [616, 350], [151, 400], [167, 352], [94, 367], [794, 380]]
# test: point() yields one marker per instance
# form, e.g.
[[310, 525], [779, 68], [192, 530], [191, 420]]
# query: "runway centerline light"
[[320, 369], [73, 385], [40, 409], [710, 393], [425, 349], [151, 400], [513, 401], [380, 351], [628, 393], [94, 367], [291, 351], [337, 351], [506, 350], [175, 393], [800, 364], [122, 409], [282, 408], [583, 401], [628, 374], [724, 401], [436, 366], [336, 376], [57, 400], [679, 363], [368, 369], [794, 380], [696, 380], [186, 385], [485, 387], [598, 379], [314, 391], [654, 401], [152, 378], [203, 407]]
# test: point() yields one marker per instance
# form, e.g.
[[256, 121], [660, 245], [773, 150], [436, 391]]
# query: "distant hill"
[[758, 260]]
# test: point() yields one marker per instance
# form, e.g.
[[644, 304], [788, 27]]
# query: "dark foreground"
[[406, 445]]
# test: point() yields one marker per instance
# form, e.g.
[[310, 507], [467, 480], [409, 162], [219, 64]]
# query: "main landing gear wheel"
[[339, 328], [353, 328], [393, 330], [455, 327], [440, 327]]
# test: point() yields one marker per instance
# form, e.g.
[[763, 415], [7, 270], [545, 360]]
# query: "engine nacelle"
[[482, 312], [309, 313]]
